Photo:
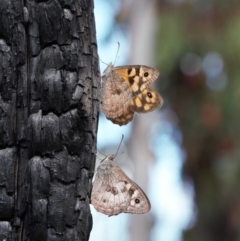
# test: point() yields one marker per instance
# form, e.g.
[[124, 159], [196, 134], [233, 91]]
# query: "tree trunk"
[[49, 83]]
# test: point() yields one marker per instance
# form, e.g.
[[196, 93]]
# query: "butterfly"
[[114, 192], [125, 91]]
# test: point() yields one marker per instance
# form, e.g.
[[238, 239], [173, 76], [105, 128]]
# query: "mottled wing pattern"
[[138, 201], [147, 100], [115, 93], [123, 119], [125, 90], [138, 77], [113, 192], [108, 194]]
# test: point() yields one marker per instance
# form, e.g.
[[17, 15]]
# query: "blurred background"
[[186, 155]]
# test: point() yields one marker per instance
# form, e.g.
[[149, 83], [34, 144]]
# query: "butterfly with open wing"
[[125, 90]]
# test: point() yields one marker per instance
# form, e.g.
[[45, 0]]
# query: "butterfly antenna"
[[98, 157], [116, 54], [101, 153], [119, 146], [103, 62]]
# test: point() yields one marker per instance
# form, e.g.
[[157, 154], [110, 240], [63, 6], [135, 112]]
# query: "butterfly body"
[[114, 192], [125, 90]]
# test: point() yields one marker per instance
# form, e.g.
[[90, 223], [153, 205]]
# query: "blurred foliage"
[[208, 114]]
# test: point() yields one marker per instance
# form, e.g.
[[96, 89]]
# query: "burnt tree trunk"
[[49, 83]]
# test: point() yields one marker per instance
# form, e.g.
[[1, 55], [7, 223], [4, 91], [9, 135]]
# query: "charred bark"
[[49, 82]]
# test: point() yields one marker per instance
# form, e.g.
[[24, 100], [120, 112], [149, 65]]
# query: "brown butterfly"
[[125, 90], [114, 192]]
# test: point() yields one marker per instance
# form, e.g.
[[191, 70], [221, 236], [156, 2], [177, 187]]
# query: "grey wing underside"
[[109, 195], [114, 192], [116, 95]]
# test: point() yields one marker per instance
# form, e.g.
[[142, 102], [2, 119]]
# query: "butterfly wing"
[[138, 77], [138, 200], [125, 90], [113, 192], [115, 92], [147, 100], [108, 193], [123, 119]]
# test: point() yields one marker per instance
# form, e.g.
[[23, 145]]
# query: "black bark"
[[49, 83]]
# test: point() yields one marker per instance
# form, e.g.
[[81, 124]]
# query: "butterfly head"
[[108, 70], [111, 158], [108, 158]]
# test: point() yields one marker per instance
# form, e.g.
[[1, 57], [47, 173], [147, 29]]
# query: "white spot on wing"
[[135, 194], [135, 87], [133, 72]]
